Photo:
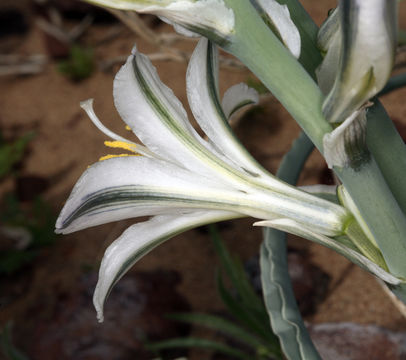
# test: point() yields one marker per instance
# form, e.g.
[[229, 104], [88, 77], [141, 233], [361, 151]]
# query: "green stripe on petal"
[[140, 239], [127, 187], [139, 95], [203, 98]]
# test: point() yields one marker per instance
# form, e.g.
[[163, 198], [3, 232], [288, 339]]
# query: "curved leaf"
[[286, 321]]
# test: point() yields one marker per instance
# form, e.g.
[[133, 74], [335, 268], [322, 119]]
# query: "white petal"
[[158, 119], [279, 17], [127, 187], [133, 83], [198, 16], [320, 189], [367, 54], [237, 97], [140, 239], [202, 91], [295, 228]]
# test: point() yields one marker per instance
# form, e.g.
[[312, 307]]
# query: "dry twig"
[[22, 65]]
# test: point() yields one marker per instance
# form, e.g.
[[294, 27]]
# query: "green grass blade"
[[237, 275], [191, 342], [12, 153], [261, 328]]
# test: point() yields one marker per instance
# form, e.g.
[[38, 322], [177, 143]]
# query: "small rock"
[[349, 341], [134, 314], [310, 283]]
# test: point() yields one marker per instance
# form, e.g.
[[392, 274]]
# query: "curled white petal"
[[202, 91], [237, 97], [140, 239], [196, 16], [279, 16]]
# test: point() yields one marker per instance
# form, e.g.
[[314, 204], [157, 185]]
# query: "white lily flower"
[[361, 35], [181, 179], [196, 16]]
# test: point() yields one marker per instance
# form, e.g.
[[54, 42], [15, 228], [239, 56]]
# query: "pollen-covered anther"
[[121, 145]]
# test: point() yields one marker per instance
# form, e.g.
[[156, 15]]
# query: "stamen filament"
[[87, 105]]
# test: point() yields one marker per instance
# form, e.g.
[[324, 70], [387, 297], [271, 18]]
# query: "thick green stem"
[[389, 151], [379, 209]]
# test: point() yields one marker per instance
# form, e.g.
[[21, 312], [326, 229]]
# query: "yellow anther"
[[106, 157], [120, 145], [127, 128]]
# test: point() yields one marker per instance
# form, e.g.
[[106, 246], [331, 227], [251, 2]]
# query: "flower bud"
[[367, 44]]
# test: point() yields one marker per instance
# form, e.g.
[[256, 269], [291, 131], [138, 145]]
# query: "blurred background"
[[56, 53]]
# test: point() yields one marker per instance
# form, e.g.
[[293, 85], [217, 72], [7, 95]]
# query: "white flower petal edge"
[[279, 18], [197, 16], [202, 91], [140, 239], [295, 228], [236, 97]]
